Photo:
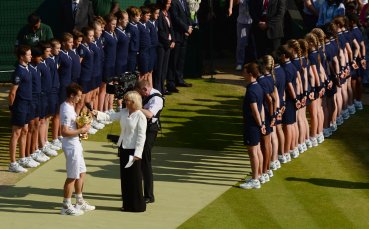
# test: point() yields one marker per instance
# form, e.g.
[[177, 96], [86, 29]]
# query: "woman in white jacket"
[[131, 143]]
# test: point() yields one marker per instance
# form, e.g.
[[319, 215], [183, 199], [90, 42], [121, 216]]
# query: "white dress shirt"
[[133, 129]]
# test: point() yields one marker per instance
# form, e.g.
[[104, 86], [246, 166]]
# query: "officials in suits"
[[76, 14], [180, 15], [267, 24]]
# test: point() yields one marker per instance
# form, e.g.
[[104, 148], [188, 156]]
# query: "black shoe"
[[148, 200], [184, 84], [166, 92], [173, 90]]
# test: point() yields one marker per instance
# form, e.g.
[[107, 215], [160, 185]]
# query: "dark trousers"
[[176, 64], [161, 68], [264, 45], [146, 165], [131, 183]]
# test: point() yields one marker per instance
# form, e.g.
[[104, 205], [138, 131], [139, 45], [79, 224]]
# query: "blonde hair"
[[136, 99], [268, 65], [304, 46], [312, 40]]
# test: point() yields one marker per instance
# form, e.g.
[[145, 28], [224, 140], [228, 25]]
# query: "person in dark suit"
[[166, 43], [267, 24], [76, 14], [180, 15]]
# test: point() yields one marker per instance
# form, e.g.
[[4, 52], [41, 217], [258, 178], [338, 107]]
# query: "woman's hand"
[[136, 158]]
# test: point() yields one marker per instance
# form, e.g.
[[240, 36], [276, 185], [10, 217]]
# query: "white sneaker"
[[333, 127], [288, 157], [48, 151], [57, 143], [16, 168], [300, 148], [273, 165], [346, 114], [358, 105], [282, 159], [270, 173], [351, 109], [266, 177], [70, 210], [53, 147], [39, 152], [295, 153], [327, 132], [30, 159], [251, 184], [262, 179], [37, 157], [97, 125], [314, 142], [238, 67], [276, 162], [320, 138], [308, 143], [27, 162], [84, 206], [304, 147], [339, 120]]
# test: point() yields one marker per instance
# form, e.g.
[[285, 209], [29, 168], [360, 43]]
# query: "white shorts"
[[75, 162]]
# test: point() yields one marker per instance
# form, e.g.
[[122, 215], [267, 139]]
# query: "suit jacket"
[[181, 19], [164, 30], [275, 16], [84, 15]]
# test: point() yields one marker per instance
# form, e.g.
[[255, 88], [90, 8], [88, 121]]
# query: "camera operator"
[[152, 102]]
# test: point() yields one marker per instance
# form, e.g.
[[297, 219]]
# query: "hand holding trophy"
[[84, 118]]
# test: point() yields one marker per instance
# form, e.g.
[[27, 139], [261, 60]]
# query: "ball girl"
[[254, 123]]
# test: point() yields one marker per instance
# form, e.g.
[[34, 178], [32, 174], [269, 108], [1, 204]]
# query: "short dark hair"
[[33, 19], [36, 52], [73, 89], [22, 50]]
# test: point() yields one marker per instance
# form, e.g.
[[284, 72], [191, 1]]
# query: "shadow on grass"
[[331, 183], [13, 200]]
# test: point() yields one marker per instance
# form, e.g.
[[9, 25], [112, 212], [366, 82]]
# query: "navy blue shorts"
[[53, 104], [268, 121], [289, 116], [94, 83], [86, 86], [251, 135], [62, 94], [120, 68], [153, 56], [43, 105], [131, 62], [21, 112], [332, 91], [144, 61], [35, 106], [108, 73]]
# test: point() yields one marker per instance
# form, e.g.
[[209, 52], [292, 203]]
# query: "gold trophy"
[[84, 118]]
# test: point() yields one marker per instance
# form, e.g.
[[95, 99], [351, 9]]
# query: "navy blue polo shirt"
[[254, 94], [122, 48], [76, 65], [52, 63], [36, 79], [280, 82], [291, 72], [65, 68], [46, 80], [145, 41], [87, 63], [22, 77], [110, 42], [153, 27], [134, 35]]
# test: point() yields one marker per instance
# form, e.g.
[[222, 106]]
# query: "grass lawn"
[[326, 187]]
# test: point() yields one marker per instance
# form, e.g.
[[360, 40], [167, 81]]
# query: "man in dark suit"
[[76, 14], [180, 15], [267, 24]]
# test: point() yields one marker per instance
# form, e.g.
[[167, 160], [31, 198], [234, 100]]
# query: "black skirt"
[[131, 183]]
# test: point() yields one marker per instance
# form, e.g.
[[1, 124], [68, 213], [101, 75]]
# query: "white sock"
[[79, 198], [67, 201]]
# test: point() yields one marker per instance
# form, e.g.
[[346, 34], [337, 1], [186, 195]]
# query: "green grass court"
[[200, 154]]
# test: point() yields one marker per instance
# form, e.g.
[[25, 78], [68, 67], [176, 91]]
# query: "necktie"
[[265, 6], [74, 8], [183, 5]]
